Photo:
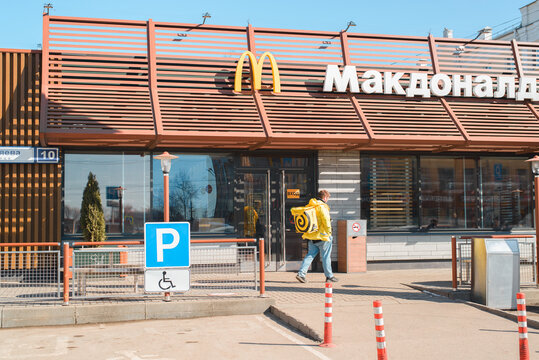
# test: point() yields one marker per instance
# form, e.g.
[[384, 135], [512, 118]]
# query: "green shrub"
[[92, 219]]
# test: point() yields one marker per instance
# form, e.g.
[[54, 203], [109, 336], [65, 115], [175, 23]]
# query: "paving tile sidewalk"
[[419, 325]]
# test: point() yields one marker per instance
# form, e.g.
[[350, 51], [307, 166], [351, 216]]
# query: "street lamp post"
[[535, 169], [166, 164]]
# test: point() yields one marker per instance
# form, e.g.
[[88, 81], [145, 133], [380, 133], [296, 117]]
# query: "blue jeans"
[[324, 247]]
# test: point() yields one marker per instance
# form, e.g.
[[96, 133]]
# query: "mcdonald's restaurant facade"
[[423, 137]]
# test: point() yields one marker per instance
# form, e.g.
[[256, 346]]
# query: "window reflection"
[[201, 188], [448, 193], [125, 209], [388, 192], [455, 192], [507, 197]]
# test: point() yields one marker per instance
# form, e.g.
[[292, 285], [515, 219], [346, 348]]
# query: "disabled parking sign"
[[167, 256]]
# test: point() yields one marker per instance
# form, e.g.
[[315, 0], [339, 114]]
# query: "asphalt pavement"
[[418, 324]]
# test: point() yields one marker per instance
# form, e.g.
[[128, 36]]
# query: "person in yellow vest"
[[250, 218], [319, 241]]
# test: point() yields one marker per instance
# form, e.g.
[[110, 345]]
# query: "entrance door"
[[252, 208], [263, 199]]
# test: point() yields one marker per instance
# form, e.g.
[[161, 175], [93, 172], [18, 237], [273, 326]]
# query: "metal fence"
[[527, 262], [29, 275], [114, 272]]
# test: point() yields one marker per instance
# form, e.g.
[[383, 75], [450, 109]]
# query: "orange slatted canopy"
[[146, 84]]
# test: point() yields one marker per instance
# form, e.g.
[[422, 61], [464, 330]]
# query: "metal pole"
[[262, 267], [454, 261], [67, 253], [165, 186], [166, 215], [536, 183]]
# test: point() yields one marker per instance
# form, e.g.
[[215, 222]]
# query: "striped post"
[[328, 317], [380, 333], [522, 327]]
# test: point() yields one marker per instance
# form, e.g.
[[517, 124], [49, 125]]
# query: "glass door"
[[252, 210], [296, 189], [262, 203]]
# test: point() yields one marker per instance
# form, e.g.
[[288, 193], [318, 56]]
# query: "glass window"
[[201, 192], [448, 192], [124, 183], [506, 193], [455, 192], [388, 191]]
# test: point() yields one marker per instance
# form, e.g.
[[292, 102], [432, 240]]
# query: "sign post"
[[167, 256]]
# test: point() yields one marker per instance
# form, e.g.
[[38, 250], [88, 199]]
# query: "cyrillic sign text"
[[419, 84]]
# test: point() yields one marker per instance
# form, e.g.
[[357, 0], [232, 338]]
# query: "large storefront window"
[[388, 191], [506, 185], [204, 190], [124, 181], [201, 192], [448, 192], [454, 192]]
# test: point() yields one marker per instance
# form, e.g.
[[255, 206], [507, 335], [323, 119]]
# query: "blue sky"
[[21, 20]]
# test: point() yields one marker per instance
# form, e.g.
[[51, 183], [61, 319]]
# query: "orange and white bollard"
[[328, 317], [380, 333], [522, 327]]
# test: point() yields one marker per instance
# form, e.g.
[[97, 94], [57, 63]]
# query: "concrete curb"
[[21, 316], [505, 314], [296, 324]]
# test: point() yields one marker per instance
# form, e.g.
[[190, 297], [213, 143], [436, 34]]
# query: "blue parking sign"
[[167, 244]]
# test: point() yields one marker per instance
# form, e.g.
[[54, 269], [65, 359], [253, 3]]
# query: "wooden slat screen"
[[390, 54], [497, 119], [145, 84], [195, 74], [98, 80], [29, 193], [408, 117], [476, 58]]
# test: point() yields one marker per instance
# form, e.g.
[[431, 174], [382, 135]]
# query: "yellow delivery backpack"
[[305, 219]]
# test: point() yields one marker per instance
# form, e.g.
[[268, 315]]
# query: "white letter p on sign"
[[161, 246]]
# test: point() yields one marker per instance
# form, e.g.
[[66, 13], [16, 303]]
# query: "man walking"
[[319, 241]]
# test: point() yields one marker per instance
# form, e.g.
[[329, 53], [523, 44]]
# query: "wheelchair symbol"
[[164, 281]]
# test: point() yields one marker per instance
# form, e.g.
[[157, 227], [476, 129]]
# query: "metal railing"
[[116, 269], [29, 275], [462, 259], [112, 272]]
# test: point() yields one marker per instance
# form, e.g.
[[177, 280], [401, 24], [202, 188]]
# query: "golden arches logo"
[[256, 71]]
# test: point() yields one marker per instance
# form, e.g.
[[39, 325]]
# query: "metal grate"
[[108, 272], [218, 268], [29, 275], [464, 262], [527, 262], [119, 272]]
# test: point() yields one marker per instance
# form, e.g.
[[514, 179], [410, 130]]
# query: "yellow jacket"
[[324, 221]]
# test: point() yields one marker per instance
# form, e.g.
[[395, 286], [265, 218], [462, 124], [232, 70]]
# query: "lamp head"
[[535, 165], [204, 17], [350, 23], [166, 161]]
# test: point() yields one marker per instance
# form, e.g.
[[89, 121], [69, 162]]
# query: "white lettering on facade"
[[527, 89], [348, 78], [392, 82], [443, 80], [419, 84], [483, 88], [372, 83], [506, 85]]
